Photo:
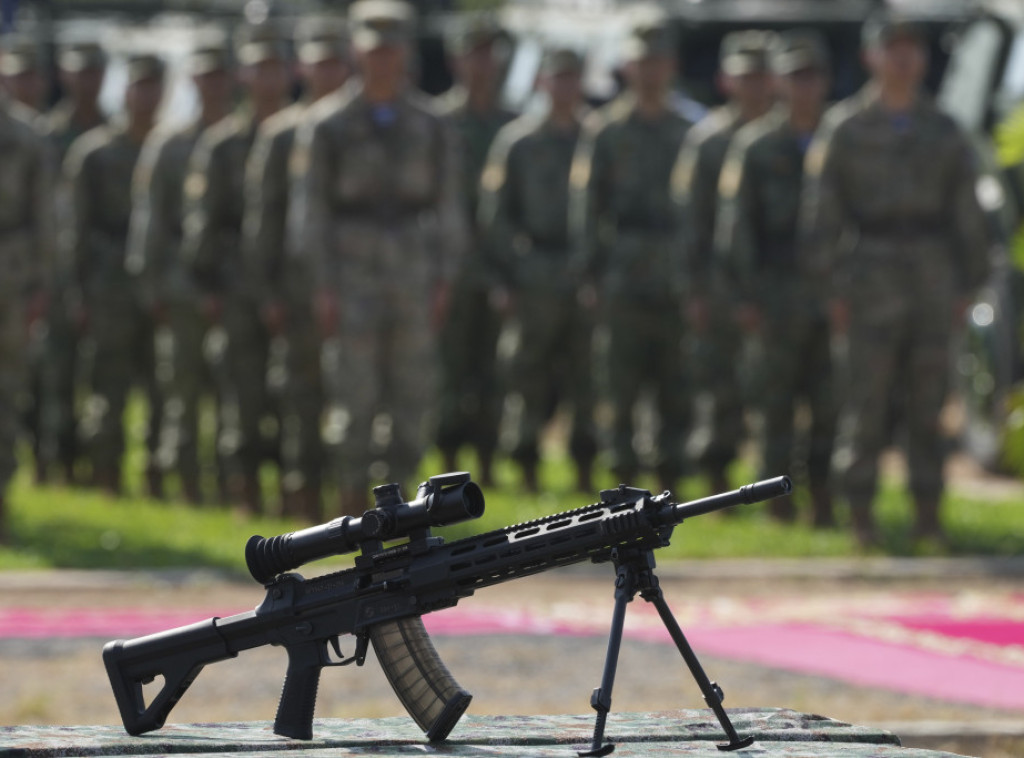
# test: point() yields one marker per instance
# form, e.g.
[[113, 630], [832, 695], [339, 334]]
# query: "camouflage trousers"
[[552, 364], [714, 356], [471, 393], [246, 410], [13, 373], [901, 317], [186, 377], [301, 401], [645, 354], [120, 345], [380, 380], [58, 368], [794, 368]]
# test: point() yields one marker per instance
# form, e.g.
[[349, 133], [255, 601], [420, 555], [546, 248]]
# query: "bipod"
[[634, 573]]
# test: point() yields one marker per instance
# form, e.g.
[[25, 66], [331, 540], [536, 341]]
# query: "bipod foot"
[[606, 749], [737, 744]]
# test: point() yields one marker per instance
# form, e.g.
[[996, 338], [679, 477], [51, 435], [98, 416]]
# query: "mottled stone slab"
[[687, 732]]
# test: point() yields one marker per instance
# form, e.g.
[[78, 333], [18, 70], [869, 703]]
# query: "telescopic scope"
[[440, 501]]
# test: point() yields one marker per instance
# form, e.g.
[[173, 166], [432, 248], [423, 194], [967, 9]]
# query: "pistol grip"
[[298, 698]]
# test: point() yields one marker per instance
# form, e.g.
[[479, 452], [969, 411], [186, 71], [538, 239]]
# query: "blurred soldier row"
[[337, 273]]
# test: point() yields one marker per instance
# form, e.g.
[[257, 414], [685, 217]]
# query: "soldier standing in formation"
[[900, 244], [377, 183], [119, 334], [627, 238], [164, 285], [214, 209], [22, 75], [82, 68], [282, 279], [27, 247], [745, 79], [758, 231], [524, 208], [471, 396]]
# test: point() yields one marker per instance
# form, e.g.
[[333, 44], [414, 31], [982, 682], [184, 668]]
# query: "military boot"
[[190, 488], [783, 509], [928, 530], [822, 516], [486, 474], [155, 483], [530, 483], [864, 529], [107, 479], [244, 490]]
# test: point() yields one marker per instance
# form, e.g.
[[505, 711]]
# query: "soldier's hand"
[[698, 313], [325, 306], [439, 305], [274, 317], [748, 316], [586, 296], [212, 308], [839, 316], [38, 306]]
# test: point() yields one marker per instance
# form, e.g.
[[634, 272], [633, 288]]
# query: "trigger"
[[336, 644]]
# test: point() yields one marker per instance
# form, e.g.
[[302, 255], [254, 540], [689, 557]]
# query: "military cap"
[[81, 56], [798, 50], [141, 67], [204, 59], [885, 26], [650, 34], [745, 52], [19, 56], [561, 60], [476, 31], [374, 23], [319, 38], [258, 43]]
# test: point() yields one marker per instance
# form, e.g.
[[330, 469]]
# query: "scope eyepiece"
[[441, 501]]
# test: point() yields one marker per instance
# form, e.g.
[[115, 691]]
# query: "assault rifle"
[[382, 598]]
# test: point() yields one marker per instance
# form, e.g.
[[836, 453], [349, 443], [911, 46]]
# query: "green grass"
[[56, 527]]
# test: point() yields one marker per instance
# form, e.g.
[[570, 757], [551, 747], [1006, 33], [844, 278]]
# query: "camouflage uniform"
[[282, 277], [212, 249], [897, 234], [27, 245], [758, 225], [471, 395], [21, 73], [120, 332], [715, 350], [164, 283], [626, 238], [524, 211], [60, 363], [379, 216]]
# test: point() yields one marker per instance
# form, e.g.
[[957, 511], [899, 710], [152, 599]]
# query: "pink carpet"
[[954, 648]]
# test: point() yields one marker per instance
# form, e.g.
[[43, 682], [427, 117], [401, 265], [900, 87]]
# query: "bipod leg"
[[601, 699], [713, 694]]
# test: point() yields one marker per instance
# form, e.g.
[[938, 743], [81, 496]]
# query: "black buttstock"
[[177, 656]]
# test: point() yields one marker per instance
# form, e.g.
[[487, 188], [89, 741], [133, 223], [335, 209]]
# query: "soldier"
[[471, 398], [758, 223], [214, 208], [744, 77], [524, 210], [380, 218], [283, 281], [21, 73], [165, 288], [81, 69], [99, 168], [900, 243], [27, 245], [626, 231]]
